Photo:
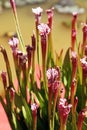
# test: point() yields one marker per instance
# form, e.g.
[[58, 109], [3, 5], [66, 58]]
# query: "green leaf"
[[48, 60], [21, 103], [79, 70], [27, 114], [66, 71], [16, 122], [66, 62], [59, 58], [84, 127], [79, 95], [18, 101]]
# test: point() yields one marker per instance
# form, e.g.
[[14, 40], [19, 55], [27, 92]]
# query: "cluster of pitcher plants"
[[50, 90]]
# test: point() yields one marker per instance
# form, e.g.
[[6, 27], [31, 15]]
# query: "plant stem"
[[74, 126], [37, 35], [83, 91], [50, 50], [17, 26], [62, 126], [35, 123], [49, 108]]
